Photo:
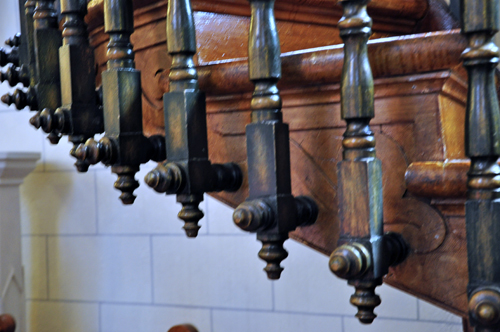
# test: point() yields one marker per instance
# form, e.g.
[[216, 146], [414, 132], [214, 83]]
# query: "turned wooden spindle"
[[19, 74], [188, 172], [124, 147], [270, 210], [364, 253], [80, 116], [480, 19], [47, 40]]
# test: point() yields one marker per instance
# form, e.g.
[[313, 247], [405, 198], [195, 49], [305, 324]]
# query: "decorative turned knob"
[[20, 99], [165, 178], [273, 253], [126, 182], [54, 138], [14, 41], [82, 166], [35, 120], [47, 120], [52, 123], [190, 213], [307, 210], [15, 75], [159, 151], [6, 58], [484, 306], [228, 177], [94, 152], [365, 299], [350, 261], [253, 215]]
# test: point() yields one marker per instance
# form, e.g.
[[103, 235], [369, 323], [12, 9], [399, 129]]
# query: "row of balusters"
[[57, 71]]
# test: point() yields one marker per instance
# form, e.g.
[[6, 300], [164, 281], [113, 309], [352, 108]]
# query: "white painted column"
[[14, 167]]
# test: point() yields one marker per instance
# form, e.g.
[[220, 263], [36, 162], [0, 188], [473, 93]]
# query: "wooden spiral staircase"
[[419, 93]]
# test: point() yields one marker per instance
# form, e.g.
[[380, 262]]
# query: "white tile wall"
[[427, 311], [59, 203], [210, 271], [244, 321], [35, 267], [16, 132], [396, 325], [57, 157], [151, 213], [133, 318], [94, 265], [100, 268], [220, 218]]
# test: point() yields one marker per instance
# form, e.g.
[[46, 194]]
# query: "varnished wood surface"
[[419, 116], [438, 17], [436, 179], [390, 15]]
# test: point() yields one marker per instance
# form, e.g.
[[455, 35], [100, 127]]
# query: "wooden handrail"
[[388, 57]]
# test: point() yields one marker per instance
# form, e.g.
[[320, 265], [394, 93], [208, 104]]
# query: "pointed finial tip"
[[273, 271], [191, 229], [81, 166], [191, 214]]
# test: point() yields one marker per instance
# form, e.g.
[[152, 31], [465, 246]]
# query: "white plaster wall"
[[92, 264]]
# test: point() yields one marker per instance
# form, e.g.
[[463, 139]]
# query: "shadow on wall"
[[48, 200]]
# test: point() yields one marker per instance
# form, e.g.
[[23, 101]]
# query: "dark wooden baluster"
[[47, 39], [43, 41], [480, 19], [270, 210], [364, 253], [14, 74], [188, 173], [124, 147], [80, 116], [29, 10]]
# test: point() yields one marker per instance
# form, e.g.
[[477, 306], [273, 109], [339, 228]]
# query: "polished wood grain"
[[438, 179], [389, 15]]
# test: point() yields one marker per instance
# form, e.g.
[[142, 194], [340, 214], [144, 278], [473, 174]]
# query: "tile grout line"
[[273, 308], [418, 309], [47, 274], [44, 155], [182, 235], [176, 306], [206, 213], [151, 261], [96, 201], [342, 324], [99, 316], [212, 320]]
